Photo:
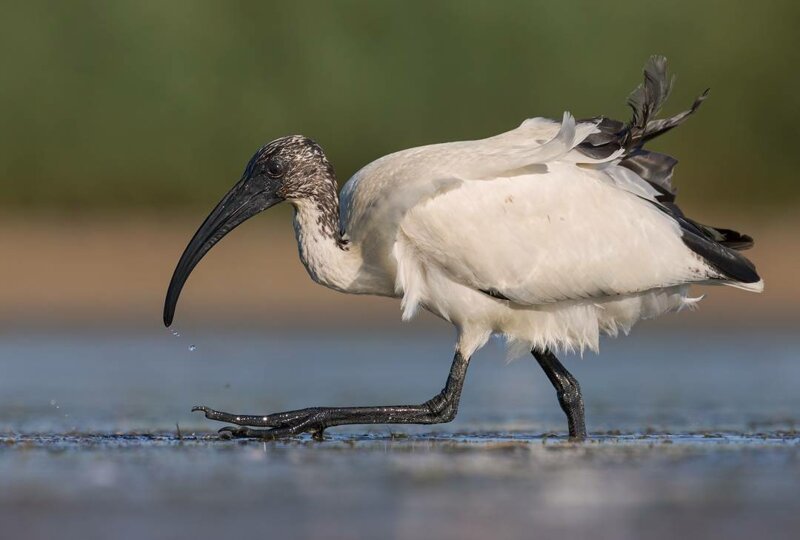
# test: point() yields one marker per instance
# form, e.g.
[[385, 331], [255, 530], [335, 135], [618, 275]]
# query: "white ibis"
[[549, 235]]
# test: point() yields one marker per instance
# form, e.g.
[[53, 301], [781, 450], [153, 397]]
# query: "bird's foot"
[[282, 425], [244, 432], [577, 438], [577, 425]]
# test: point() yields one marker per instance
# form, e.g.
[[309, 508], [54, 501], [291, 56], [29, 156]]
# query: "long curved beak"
[[243, 201]]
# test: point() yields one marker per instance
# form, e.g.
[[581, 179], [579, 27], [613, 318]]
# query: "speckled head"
[[292, 168], [297, 166]]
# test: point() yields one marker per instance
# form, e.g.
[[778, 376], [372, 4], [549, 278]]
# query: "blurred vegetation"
[[158, 105]]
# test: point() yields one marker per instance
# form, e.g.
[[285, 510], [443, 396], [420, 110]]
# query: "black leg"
[[440, 409], [568, 391]]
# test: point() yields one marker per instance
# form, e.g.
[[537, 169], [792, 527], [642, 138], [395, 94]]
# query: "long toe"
[[212, 414], [238, 419], [231, 432], [288, 419], [240, 432]]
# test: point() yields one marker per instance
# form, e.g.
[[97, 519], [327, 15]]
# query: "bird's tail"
[[717, 245], [646, 101]]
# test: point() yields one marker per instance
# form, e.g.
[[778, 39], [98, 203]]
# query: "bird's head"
[[290, 169]]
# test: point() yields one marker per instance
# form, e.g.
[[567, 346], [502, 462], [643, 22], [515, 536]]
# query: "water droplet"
[[175, 333], [192, 347], [53, 403]]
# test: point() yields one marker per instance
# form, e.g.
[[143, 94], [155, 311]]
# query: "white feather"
[[575, 245]]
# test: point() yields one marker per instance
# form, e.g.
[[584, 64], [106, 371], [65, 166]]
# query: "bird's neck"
[[327, 256]]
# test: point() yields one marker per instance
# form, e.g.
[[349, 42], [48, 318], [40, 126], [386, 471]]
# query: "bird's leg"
[[568, 391], [439, 409]]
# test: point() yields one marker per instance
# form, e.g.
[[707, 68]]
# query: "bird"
[[549, 235]]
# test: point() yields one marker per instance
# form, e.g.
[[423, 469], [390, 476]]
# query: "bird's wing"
[[383, 191], [540, 238], [375, 200]]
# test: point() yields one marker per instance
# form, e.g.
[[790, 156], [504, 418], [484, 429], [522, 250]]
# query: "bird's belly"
[[572, 325]]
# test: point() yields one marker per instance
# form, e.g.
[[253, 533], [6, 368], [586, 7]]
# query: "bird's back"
[[377, 198]]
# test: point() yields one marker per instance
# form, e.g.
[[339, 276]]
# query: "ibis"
[[549, 235]]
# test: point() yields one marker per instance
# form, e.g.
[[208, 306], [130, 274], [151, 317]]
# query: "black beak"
[[247, 198]]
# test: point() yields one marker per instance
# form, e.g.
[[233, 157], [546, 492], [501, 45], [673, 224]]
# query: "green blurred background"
[[122, 123], [156, 105]]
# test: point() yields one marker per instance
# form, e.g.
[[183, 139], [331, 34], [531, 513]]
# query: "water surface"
[[694, 436]]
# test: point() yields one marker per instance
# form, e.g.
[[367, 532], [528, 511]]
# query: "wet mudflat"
[[694, 436]]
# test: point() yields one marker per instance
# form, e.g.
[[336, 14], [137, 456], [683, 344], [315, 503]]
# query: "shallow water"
[[694, 436]]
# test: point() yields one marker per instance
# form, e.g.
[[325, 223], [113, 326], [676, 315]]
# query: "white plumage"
[[575, 245]]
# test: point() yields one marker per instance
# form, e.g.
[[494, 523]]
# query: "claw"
[[229, 432], [235, 432], [200, 408]]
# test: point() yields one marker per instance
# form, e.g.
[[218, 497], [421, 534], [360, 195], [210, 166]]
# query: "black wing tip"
[[736, 240], [730, 264], [745, 242], [717, 246], [747, 276], [727, 237]]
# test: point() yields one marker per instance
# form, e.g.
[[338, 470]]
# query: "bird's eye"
[[275, 167]]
